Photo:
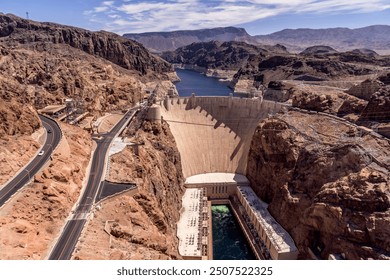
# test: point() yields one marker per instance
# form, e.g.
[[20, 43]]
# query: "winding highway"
[[67, 241], [53, 138]]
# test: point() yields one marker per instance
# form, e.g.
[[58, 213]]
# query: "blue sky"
[[257, 16]]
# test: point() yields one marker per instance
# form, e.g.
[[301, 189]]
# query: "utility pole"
[[26, 59]]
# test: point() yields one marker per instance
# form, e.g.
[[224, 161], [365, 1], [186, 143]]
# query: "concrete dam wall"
[[213, 134]]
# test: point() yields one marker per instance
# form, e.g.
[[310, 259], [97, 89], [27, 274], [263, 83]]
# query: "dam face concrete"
[[213, 134]]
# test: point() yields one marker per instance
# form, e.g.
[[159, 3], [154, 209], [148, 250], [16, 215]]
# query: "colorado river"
[[229, 242]]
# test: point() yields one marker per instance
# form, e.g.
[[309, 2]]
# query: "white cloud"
[[345, 6], [108, 3], [100, 9], [162, 15], [104, 7], [113, 16]]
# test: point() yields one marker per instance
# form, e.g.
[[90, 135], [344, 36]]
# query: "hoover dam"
[[213, 136]]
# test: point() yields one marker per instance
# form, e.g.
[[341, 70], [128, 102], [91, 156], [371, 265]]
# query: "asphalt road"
[[108, 188], [66, 243], [36, 164]]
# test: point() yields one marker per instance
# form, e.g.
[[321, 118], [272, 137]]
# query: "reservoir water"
[[201, 85], [229, 243]]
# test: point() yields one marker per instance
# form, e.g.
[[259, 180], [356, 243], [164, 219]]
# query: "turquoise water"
[[229, 243], [201, 85]]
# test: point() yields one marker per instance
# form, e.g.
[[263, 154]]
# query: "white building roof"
[[279, 237], [188, 225], [209, 178]]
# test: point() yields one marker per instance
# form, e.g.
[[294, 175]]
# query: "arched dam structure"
[[213, 134]]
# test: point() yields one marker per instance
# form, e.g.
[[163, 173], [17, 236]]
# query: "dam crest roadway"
[[213, 136]]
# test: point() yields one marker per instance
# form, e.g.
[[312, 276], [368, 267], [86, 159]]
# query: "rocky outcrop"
[[218, 55], [42, 78], [114, 48], [385, 78], [377, 109], [145, 221], [157, 164], [364, 56], [366, 89], [327, 99], [44, 63], [17, 120], [16, 152], [304, 68], [326, 183], [309, 101], [318, 50], [377, 92], [367, 52]]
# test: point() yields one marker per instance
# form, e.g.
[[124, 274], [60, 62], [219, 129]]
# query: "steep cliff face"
[[326, 183], [157, 165], [114, 48], [42, 78], [142, 223], [42, 63]]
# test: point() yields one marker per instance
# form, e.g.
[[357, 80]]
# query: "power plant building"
[[277, 240]]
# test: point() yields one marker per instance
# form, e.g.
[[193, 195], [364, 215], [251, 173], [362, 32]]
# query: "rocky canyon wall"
[[140, 224], [327, 183]]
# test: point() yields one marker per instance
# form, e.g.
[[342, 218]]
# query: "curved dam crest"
[[214, 134]]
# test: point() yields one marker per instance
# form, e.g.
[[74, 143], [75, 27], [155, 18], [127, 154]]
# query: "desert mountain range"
[[342, 39]]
